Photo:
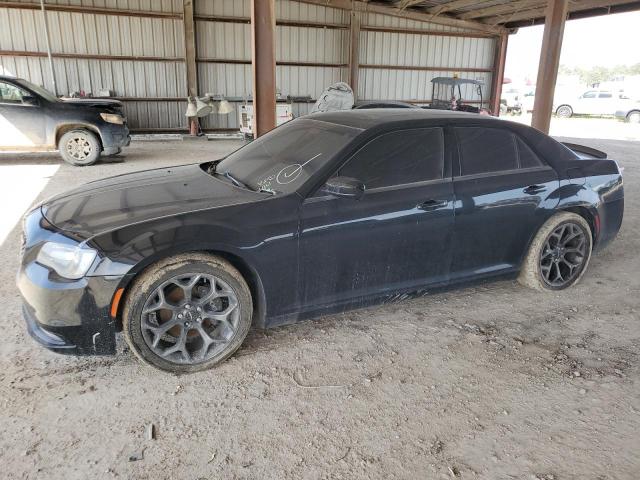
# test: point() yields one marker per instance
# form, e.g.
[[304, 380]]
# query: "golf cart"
[[446, 94]]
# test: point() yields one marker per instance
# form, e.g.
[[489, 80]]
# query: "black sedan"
[[326, 213], [81, 129]]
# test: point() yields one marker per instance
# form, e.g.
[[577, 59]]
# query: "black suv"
[[34, 120]]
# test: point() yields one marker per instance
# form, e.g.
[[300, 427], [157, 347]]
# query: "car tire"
[[564, 111], [182, 348], [634, 116], [548, 256], [79, 147]]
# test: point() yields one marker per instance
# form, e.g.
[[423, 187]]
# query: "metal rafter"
[[539, 12], [403, 4], [411, 14], [454, 5], [503, 8]]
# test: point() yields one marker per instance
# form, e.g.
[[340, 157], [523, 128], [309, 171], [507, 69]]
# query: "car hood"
[[105, 205]]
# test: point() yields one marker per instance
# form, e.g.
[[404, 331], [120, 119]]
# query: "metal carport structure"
[[155, 53]]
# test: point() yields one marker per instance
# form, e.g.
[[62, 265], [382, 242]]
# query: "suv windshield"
[[46, 94], [286, 157]]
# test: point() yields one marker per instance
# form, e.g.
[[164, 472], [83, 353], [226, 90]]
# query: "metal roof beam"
[[503, 8], [539, 12], [404, 4], [410, 14], [449, 6]]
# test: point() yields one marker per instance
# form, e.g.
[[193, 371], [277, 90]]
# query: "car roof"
[[374, 117]]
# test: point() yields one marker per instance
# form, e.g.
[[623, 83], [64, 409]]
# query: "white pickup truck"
[[591, 102]]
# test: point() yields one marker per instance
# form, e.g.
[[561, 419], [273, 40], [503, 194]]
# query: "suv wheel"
[[633, 117], [79, 147]]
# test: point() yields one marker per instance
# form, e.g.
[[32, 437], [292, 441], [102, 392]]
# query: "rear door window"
[[487, 150], [528, 159], [398, 158]]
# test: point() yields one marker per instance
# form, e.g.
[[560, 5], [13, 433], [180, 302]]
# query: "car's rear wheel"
[[633, 117], [559, 253], [79, 147], [187, 313], [564, 111]]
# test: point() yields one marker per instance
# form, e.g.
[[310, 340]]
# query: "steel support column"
[[190, 48], [47, 37], [498, 73], [555, 17], [190, 59], [354, 52], [263, 62]]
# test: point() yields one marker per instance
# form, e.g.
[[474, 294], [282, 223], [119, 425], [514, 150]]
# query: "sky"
[[605, 41]]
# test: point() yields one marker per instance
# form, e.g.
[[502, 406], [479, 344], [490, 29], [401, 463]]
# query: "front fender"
[[267, 259]]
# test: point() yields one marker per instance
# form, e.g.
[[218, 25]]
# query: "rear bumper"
[[610, 215]]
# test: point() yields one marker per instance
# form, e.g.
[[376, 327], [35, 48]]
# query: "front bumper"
[[114, 137], [66, 316]]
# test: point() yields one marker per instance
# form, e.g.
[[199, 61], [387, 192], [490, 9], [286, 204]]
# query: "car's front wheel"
[[559, 253], [564, 111], [187, 313], [79, 147]]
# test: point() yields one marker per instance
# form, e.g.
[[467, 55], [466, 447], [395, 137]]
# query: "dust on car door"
[[397, 236], [502, 190]]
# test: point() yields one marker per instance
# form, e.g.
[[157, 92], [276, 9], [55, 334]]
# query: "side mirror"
[[345, 187], [29, 100]]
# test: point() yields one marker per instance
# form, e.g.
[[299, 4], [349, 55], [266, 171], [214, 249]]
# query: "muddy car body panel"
[[304, 252]]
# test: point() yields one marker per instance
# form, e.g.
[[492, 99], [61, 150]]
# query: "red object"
[[193, 126]]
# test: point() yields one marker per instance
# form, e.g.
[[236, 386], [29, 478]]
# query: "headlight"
[[68, 261], [112, 118]]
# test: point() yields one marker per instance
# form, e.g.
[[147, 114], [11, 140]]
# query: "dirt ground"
[[492, 381]]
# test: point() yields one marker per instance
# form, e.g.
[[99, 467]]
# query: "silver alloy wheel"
[[564, 111], [634, 117], [79, 148], [190, 318], [564, 254]]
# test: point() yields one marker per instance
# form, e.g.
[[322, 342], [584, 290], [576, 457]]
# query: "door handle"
[[432, 204], [534, 189]]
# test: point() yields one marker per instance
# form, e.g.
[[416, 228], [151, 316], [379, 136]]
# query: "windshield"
[[46, 94], [286, 157]]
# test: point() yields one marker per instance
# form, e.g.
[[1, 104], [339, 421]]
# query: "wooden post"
[[556, 15], [354, 52], [498, 73], [263, 62], [190, 58]]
